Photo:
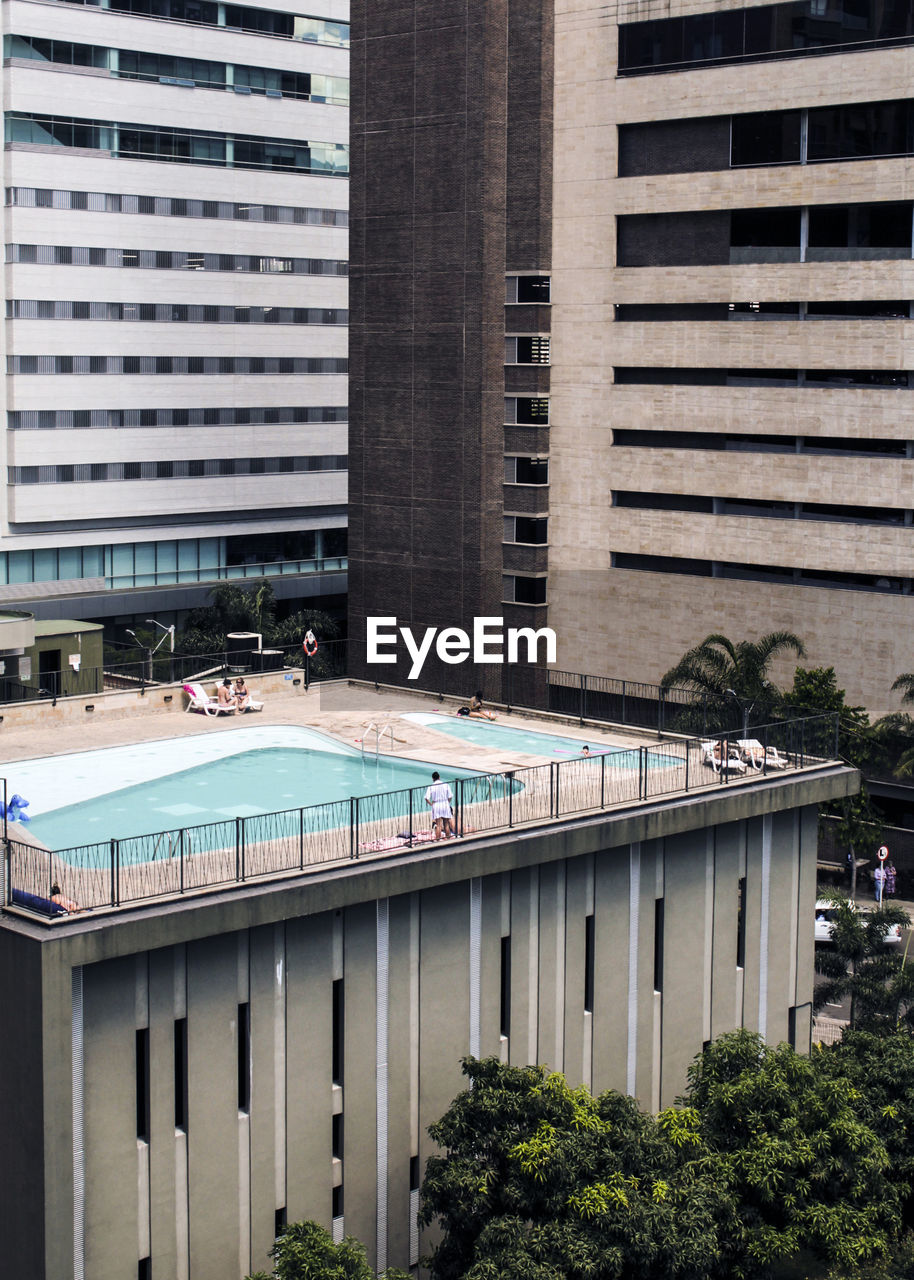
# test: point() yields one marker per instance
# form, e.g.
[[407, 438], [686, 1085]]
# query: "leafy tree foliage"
[[732, 678], [815, 692], [305, 1251], [891, 743], [881, 1069], [805, 1170], [858, 963], [542, 1182], [251, 607]]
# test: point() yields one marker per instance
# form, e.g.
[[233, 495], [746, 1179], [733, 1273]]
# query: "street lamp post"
[[170, 632], [147, 652], [746, 706]]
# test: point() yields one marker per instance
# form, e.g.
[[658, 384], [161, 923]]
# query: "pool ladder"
[[379, 731]]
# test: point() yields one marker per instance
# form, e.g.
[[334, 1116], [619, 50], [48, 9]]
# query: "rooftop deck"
[[511, 789]]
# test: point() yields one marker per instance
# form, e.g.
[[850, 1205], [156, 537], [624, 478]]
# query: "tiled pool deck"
[[340, 709], [553, 789]]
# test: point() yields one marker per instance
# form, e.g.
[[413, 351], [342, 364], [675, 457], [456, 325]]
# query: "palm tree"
[[906, 682], [732, 679]]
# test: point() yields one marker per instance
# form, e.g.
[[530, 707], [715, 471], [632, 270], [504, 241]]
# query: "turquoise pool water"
[[504, 738], [243, 785]]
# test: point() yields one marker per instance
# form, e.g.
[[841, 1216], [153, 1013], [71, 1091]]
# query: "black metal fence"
[[166, 668], [167, 864]]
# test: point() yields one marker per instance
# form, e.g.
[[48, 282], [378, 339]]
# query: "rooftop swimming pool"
[[502, 737], [158, 786]]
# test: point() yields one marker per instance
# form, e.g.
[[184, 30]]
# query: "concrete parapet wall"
[[125, 702]]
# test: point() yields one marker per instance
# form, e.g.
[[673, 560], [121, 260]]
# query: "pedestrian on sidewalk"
[[879, 882], [891, 876]]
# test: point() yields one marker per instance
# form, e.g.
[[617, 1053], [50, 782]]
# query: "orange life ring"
[[309, 644]]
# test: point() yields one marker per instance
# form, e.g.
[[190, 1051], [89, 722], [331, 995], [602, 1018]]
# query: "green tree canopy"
[[249, 607], [732, 678], [815, 692], [806, 1172], [305, 1251], [881, 1069], [543, 1182]]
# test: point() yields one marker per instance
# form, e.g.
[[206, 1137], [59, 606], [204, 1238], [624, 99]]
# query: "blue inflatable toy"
[[14, 810]]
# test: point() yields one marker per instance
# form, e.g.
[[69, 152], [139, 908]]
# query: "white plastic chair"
[[199, 700]]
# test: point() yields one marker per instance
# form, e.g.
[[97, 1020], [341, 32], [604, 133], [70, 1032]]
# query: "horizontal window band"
[[760, 34], [117, 419], [176, 365], [698, 312], [814, 379], [178, 71], [762, 509], [172, 313], [206, 13], [179, 146], [760, 442], [182, 469], [776, 574], [171, 260], [173, 207], [779, 235]]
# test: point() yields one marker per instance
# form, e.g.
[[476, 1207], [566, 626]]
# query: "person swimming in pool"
[[477, 710]]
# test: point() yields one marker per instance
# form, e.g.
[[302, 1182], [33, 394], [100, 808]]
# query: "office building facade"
[[176, 234], [696, 218]]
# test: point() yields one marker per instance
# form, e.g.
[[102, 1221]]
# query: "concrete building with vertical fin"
[[183, 1077], [676, 239]]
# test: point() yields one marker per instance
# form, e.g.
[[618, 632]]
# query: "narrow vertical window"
[[336, 1202], [741, 923], [144, 1269], [244, 1057], [336, 1137], [588, 963], [658, 944], [337, 1036], [181, 1074], [505, 1007], [415, 1174], [142, 1084], [279, 1222]]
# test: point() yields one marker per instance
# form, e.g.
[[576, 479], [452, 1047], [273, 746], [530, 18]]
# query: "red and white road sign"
[[882, 852]]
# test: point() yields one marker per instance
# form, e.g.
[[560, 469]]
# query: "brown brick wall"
[[450, 125]]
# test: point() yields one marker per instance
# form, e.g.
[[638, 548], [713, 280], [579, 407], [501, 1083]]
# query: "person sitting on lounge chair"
[[242, 694], [65, 904], [225, 695]]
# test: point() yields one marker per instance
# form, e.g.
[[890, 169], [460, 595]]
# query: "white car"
[[825, 912]]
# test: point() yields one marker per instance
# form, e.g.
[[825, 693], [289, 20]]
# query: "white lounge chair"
[[776, 759], [711, 753], [199, 700], [752, 751]]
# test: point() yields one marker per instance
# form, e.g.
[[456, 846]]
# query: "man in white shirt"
[[439, 797]]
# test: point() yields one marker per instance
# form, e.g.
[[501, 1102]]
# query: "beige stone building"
[[731, 430], [632, 298]]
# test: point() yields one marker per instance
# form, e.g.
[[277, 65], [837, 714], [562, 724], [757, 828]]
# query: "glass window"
[[44, 564], [769, 31], [19, 564], [69, 563], [765, 137]]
